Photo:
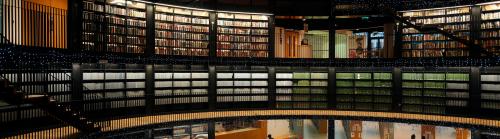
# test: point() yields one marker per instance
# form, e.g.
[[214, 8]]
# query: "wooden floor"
[[157, 119]]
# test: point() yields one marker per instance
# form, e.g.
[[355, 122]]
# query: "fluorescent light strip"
[[244, 13], [175, 6], [488, 3], [439, 8]]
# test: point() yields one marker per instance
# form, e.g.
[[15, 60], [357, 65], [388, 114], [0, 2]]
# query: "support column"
[[332, 89], [475, 92], [388, 50], [398, 40], [76, 86], [74, 21], [212, 88], [150, 88], [212, 44], [475, 32], [211, 130], [396, 89], [150, 31], [271, 50], [332, 28], [331, 129], [271, 88]]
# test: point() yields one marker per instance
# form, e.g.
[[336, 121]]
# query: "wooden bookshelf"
[[114, 26], [364, 90], [455, 20], [490, 26], [181, 31], [242, 35]]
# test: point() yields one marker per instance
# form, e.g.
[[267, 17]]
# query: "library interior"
[[250, 69]]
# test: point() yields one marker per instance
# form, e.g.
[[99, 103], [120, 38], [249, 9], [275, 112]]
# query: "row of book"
[[136, 31], [242, 24], [301, 98], [241, 83], [180, 100], [116, 10], [456, 27], [136, 23], [434, 53], [181, 19], [301, 105], [242, 31], [181, 35], [181, 51], [232, 38], [301, 75], [120, 48], [436, 76], [491, 45], [301, 90], [240, 98], [179, 92], [112, 75], [241, 53], [181, 83], [424, 37], [490, 25], [136, 13], [241, 46], [302, 83], [441, 20], [242, 75], [227, 91], [181, 43], [490, 16], [186, 28], [434, 45], [490, 34], [92, 17], [91, 6]]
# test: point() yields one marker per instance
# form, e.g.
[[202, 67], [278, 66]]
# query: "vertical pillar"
[[332, 88], [331, 129], [76, 86], [397, 40], [271, 38], [211, 130], [271, 88], [369, 46], [74, 20], [396, 89], [212, 88], [150, 88], [212, 44], [389, 41], [150, 31], [475, 133], [475, 26], [332, 28], [475, 91]]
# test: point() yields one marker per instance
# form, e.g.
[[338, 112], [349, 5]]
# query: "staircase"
[[12, 95], [61, 112]]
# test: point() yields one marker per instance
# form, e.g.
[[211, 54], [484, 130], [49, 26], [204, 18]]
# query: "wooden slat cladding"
[[31, 24]]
